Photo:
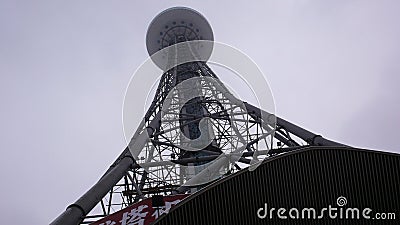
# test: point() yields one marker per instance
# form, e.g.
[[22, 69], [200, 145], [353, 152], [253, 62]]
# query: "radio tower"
[[194, 132]]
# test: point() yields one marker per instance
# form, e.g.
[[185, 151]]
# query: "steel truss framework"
[[163, 165], [191, 109]]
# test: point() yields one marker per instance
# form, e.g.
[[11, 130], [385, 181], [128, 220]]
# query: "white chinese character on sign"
[[108, 222], [165, 209], [135, 216]]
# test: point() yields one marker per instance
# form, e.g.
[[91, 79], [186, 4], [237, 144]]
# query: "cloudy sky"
[[333, 67]]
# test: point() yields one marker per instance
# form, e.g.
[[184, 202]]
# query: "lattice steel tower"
[[194, 132]]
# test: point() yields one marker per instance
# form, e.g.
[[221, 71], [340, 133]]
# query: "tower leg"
[[75, 213]]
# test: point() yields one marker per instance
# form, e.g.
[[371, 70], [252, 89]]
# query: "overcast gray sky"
[[333, 67]]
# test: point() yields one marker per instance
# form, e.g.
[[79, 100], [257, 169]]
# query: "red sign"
[[140, 213]]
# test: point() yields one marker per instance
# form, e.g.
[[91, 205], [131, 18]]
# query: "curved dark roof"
[[311, 177]]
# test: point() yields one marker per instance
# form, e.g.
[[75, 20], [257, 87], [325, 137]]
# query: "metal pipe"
[[75, 213], [309, 137]]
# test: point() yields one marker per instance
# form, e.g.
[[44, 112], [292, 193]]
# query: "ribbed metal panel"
[[312, 177]]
